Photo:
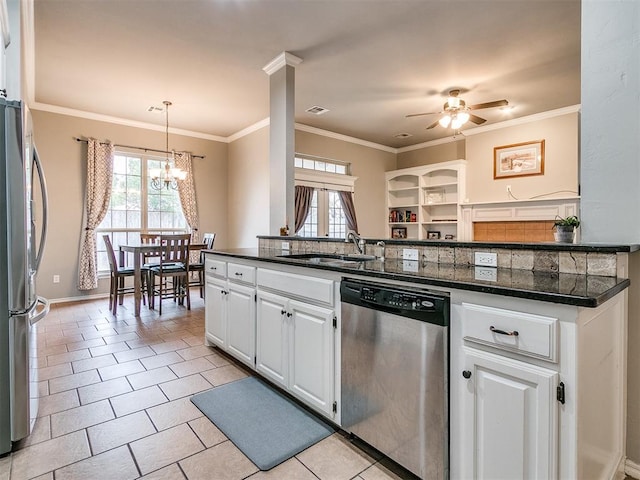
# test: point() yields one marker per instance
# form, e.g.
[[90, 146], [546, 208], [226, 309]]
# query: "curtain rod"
[[84, 140]]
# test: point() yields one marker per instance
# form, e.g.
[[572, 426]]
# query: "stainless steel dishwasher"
[[394, 373]]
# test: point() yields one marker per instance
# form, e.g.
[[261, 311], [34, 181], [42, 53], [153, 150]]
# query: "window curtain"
[[187, 193], [96, 204], [349, 209], [303, 196]]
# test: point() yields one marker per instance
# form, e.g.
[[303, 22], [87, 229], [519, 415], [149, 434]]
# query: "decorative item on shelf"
[[565, 228], [399, 232], [434, 196], [449, 236], [168, 176], [518, 160], [414, 217], [433, 235]]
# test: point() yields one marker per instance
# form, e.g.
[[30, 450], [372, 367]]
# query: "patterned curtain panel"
[[303, 196], [96, 204], [349, 209], [187, 192]]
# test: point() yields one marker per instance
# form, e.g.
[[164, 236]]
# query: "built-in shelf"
[[431, 195]]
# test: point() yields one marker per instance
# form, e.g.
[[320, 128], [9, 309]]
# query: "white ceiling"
[[370, 62]]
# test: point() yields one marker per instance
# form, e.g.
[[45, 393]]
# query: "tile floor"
[[114, 405]]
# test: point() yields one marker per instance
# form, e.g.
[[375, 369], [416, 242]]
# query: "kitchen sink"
[[329, 258]]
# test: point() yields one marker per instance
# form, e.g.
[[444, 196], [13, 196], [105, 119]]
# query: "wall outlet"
[[285, 245], [409, 254], [56, 279], [409, 266], [486, 259], [487, 274]]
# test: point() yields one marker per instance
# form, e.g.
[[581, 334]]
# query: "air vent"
[[403, 135], [154, 109], [316, 110]]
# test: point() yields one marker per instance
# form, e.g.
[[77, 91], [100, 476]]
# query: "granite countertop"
[[565, 288]]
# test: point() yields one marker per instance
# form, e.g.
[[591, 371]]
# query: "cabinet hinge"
[[335, 322], [560, 393], [335, 407]]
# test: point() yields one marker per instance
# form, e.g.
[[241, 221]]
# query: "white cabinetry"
[[426, 201], [296, 338], [230, 308], [537, 389]]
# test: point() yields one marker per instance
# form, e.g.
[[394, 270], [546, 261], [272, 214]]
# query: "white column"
[[281, 71], [610, 121]]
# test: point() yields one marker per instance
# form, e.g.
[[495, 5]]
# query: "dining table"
[[139, 250]]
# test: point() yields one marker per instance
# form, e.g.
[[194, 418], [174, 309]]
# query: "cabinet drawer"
[[215, 267], [241, 273], [523, 333], [310, 288]]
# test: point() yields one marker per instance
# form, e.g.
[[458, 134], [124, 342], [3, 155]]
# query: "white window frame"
[[323, 182], [144, 212]]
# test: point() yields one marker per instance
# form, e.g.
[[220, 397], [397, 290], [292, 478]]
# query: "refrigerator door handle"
[[42, 313], [45, 208]]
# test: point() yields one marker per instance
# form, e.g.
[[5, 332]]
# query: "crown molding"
[[344, 138], [431, 143], [285, 58], [122, 121], [250, 129], [558, 112]]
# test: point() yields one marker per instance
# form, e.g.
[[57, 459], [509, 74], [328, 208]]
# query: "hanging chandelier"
[[168, 176]]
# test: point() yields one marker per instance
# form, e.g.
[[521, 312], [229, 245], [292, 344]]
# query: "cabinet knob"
[[282, 312], [289, 314], [466, 374]]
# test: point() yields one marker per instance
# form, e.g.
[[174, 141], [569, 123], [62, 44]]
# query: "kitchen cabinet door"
[[241, 323], [271, 337], [510, 420], [312, 354], [215, 311]]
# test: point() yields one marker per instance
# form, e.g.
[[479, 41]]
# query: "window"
[[135, 207], [326, 217]]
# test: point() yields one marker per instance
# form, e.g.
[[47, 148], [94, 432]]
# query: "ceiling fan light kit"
[[455, 112]]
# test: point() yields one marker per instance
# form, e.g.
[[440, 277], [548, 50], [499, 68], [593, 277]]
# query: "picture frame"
[[518, 160], [433, 235], [399, 232]]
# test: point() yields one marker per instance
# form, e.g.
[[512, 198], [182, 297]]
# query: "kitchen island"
[[537, 358]]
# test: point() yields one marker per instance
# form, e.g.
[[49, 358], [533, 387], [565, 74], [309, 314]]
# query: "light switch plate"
[[486, 259], [409, 254], [285, 246]]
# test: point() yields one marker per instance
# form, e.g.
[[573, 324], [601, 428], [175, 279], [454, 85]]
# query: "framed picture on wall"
[[433, 235], [518, 160], [399, 232]]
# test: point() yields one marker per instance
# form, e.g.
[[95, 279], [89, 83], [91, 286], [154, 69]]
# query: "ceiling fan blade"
[[434, 124], [496, 103], [421, 114], [476, 119]]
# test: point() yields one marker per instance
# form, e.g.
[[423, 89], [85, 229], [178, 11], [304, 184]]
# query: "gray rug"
[[268, 427]]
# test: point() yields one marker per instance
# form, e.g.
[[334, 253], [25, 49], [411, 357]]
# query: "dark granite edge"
[[561, 298], [574, 247]]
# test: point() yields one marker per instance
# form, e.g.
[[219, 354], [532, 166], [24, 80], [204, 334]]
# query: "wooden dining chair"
[[117, 287], [174, 266], [198, 267]]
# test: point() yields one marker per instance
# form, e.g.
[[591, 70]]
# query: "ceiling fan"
[[456, 112]]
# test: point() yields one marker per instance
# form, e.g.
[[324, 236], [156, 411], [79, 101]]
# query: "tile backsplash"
[[539, 260]]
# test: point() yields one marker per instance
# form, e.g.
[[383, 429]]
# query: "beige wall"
[[64, 165], [560, 164], [438, 153], [248, 184], [368, 164]]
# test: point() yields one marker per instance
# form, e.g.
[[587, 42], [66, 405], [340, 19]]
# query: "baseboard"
[[631, 468], [80, 298]]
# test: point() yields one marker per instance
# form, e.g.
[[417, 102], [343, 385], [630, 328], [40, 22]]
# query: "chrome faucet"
[[357, 240]]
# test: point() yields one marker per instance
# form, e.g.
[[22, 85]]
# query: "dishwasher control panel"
[[401, 300]]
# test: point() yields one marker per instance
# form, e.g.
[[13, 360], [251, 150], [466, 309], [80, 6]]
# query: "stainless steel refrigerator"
[[21, 246]]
